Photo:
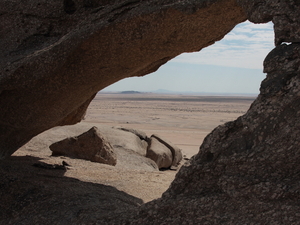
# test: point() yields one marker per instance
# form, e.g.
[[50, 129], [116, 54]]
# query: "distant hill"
[[130, 92]]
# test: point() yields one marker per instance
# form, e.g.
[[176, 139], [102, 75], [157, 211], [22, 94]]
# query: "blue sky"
[[232, 65]]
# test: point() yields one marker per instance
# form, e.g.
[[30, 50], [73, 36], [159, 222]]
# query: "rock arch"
[[55, 56]]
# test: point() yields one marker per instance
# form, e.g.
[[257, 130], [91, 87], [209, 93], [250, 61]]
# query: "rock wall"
[[55, 55]]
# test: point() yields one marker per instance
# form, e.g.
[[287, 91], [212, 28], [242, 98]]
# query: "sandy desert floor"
[[183, 120]]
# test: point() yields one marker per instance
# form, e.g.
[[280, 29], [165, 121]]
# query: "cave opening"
[[181, 102]]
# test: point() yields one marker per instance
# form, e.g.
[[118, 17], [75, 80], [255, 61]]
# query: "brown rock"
[[90, 145], [159, 153], [176, 152], [55, 55]]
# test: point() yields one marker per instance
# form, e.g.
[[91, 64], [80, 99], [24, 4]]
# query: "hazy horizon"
[[168, 92]]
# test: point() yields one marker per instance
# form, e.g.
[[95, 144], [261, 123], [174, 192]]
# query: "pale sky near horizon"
[[232, 65]]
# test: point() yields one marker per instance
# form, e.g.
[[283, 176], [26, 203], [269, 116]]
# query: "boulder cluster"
[[98, 146]]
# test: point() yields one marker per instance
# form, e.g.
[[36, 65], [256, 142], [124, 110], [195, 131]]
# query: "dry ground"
[[183, 120]]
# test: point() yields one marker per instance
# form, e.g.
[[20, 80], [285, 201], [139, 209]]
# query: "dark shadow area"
[[32, 195]]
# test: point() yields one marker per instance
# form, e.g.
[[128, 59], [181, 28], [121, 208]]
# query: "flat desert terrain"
[[183, 120]]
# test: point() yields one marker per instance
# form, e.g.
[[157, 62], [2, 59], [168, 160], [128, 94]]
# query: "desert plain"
[[184, 120]]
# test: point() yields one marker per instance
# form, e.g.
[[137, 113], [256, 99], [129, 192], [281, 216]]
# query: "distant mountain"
[[130, 92]]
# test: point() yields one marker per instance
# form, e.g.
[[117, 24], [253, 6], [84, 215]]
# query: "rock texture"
[[159, 153], [90, 145], [159, 150], [55, 55], [124, 140], [130, 147]]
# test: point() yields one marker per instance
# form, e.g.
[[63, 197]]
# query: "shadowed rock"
[[49, 197], [55, 55], [90, 145]]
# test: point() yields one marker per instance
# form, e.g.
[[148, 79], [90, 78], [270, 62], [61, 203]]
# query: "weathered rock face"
[[55, 55], [90, 145]]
